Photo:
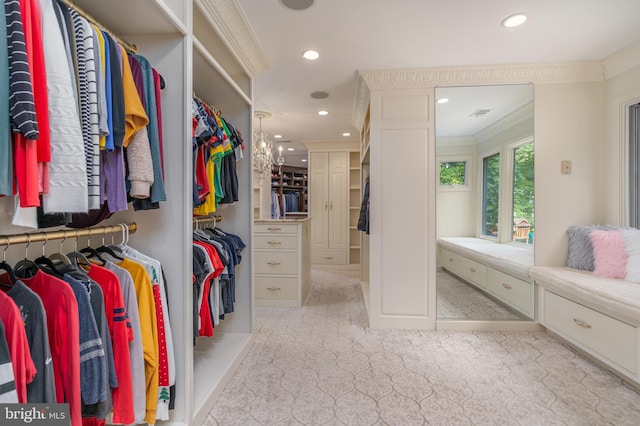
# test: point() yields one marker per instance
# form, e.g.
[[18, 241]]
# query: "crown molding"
[[231, 24], [622, 61], [484, 75]]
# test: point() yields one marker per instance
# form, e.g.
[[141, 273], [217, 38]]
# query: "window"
[[634, 166], [453, 174], [490, 194], [523, 194]]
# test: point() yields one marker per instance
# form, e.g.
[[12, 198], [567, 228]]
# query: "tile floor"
[[321, 365]]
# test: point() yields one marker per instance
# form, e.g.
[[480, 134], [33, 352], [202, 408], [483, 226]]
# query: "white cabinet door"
[[338, 201], [319, 199]]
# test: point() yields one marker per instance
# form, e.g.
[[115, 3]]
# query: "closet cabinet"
[[195, 46], [329, 207]]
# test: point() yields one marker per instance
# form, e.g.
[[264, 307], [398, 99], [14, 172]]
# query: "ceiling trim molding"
[[233, 27], [622, 61], [541, 73], [513, 119]]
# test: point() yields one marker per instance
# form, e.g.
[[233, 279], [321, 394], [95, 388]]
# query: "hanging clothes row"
[[85, 118], [217, 146], [291, 201], [94, 332], [216, 255], [363, 218]]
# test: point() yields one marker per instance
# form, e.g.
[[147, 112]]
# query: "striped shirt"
[[21, 104], [88, 94]]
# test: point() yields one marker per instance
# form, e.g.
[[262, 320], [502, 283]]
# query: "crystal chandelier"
[[262, 156]]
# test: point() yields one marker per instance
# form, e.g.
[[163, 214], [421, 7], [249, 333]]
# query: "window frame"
[[468, 185]]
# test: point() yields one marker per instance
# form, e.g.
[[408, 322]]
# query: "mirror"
[[485, 202]]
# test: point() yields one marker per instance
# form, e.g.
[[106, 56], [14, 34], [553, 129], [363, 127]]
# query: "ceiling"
[[353, 35]]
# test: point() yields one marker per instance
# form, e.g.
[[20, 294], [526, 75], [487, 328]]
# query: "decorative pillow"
[[631, 238], [580, 248], [609, 253]]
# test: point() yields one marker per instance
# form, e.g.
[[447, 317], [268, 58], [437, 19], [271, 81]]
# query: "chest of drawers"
[[281, 262]]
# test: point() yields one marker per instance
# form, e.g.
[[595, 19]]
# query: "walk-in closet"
[[186, 43]]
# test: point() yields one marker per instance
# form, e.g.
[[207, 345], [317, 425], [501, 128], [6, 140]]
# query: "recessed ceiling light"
[[346, 134], [442, 100], [304, 160], [289, 149], [323, 112], [514, 20], [311, 55], [277, 136]]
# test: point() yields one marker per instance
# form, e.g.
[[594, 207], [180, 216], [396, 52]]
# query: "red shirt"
[[63, 325], [121, 335], [24, 369]]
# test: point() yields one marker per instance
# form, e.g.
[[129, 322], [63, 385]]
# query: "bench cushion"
[[615, 297], [512, 259]]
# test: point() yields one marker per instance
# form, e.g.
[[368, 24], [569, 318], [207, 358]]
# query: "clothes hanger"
[[93, 253], [6, 267], [60, 258], [26, 268], [47, 264], [113, 245], [76, 257], [108, 250]]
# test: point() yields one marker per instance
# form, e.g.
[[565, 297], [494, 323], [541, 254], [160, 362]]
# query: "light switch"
[[566, 167]]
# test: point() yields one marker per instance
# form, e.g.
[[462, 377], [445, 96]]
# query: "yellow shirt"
[[149, 329], [135, 115]]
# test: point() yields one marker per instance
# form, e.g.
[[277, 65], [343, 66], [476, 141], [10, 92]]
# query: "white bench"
[[501, 270], [599, 315]]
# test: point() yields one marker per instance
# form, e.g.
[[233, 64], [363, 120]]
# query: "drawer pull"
[[274, 229], [274, 263], [473, 270], [274, 242], [451, 259], [507, 286], [274, 288], [328, 257], [582, 323]]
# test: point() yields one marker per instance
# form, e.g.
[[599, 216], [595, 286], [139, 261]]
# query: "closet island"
[[282, 261]]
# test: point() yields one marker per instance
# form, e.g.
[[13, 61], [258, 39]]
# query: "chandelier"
[[262, 156]]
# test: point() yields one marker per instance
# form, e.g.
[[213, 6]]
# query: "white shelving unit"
[[188, 43]]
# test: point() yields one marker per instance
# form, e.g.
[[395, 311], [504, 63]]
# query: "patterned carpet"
[[321, 365], [460, 301]]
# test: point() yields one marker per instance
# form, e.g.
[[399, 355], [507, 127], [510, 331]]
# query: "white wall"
[[569, 125]]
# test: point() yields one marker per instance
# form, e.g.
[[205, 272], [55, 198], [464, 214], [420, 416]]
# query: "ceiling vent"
[[297, 4], [479, 113]]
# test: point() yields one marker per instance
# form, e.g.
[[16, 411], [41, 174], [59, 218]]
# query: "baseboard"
[[460, 325]]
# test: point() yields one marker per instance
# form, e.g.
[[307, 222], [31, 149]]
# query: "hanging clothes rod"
[[131, 48], [211, 107], [7, 240], [204, 219]]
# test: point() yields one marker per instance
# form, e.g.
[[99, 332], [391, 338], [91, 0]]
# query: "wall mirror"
[[485, 201]]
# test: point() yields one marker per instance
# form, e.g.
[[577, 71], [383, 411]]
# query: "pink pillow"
[[609, 253]]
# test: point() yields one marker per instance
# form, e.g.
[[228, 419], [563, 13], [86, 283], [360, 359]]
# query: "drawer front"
[[275, 242], [329, 257], [272, 262], [274, 288], [275, 228], [466, 268], [609, 337], [514, 291]]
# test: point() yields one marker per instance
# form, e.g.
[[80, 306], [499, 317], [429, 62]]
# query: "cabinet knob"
[[274, 288], [507, 286], [326, 203], [331, 205], [473, 270], [582, 323], [274, 242], [274, 229], [274, 263], [451, 259]]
